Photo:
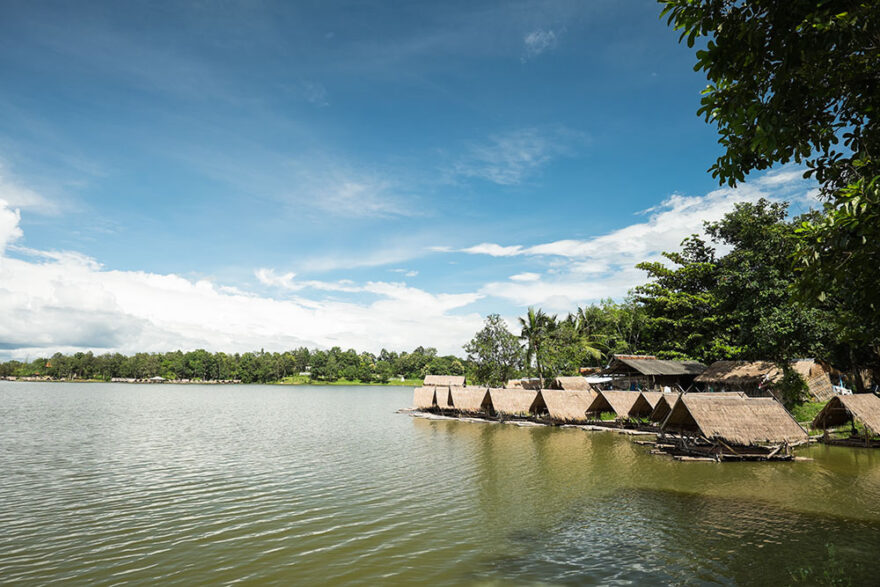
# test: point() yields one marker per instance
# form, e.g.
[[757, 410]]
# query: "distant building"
[[638, 372]]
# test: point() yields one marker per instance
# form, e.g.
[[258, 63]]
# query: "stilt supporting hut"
[[615, 402], [517, 402], [470, 400], [841, 410], [730, 428], [567, 406]]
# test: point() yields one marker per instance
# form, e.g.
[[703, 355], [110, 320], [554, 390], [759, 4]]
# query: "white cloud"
[[525, 277], [509, 158], [65, 301], [9, 229], [17, 195], [537, 42]]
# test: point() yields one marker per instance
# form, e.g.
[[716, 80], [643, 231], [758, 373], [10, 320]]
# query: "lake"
[[115, 483]]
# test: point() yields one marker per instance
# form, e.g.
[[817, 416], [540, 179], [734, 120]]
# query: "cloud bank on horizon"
[[66, 301]]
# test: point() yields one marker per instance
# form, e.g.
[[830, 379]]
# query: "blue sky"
[[252, 174]]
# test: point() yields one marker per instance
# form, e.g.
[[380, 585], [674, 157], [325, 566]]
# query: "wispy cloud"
[[510, 158], [537, 42], [17, 195]]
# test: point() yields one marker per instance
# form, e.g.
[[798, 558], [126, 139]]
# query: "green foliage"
[[494, 354]]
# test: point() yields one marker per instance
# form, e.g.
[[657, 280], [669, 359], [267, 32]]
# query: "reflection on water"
[[114, 483]]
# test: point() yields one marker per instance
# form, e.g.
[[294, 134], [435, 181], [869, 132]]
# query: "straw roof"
[[740, 373], [664, 405], [445, 380], [616, 401], [576, 383], [645, 404], [567, 406], [441, 394], [514, 384], [817, 378], [734, 420], [470, 399], [516, 402], [423, 398], [651, 365], [864, 407]]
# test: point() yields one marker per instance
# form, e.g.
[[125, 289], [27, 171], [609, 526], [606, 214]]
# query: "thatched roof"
[[470, 399], [423, 398], [664, 405], [817, 378], [446, 380], [734, 420], [863, 407], [645, 403], [740, 373], [576, 383], [651, 365], [567, 406], [442, 397], [517, 402], [514, 384], [616, 401]]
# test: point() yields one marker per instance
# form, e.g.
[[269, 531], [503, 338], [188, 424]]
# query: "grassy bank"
[[304, 380]]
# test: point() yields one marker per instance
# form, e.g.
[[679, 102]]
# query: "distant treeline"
[[253, 367]]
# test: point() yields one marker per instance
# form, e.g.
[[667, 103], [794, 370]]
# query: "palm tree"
[[535, 329]]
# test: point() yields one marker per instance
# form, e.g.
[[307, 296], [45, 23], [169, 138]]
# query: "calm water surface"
[[104, 483]]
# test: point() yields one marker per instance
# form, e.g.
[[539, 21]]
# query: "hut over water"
[[423, 398], [567, 406], [735, 421], [848, 409], [664, 405], [470, 400], [647, 371], [444, 380], [517, 402], [614, 401], [645, 403]]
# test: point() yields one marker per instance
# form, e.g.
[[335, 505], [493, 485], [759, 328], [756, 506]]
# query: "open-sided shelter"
[[734, 421], [567, 406], [423, 398], [444, 380], [612, 401], [649, 372], [645, 403], [471, 400], [517, 402], [848, 409]]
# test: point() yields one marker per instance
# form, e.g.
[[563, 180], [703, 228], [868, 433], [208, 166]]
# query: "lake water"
[[107, 483]]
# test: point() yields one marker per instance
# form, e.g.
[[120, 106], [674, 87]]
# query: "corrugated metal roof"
[[652, 366]]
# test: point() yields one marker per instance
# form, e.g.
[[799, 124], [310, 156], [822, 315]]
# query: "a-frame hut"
[[567, 406], [612, 401], [517, 402], [645, 403], [849, 409], [470, 400]]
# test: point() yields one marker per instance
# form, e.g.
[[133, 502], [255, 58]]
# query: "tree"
[[800, 81], [494, 352], [535, 330]]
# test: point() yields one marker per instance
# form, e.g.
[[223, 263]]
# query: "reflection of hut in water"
[[567, 406], [517, 402], [730, 427], [637, 372], [423, 398], [841, 410], [470, 400], [444, 380], [576, 383], [612, 401], [645, 403]]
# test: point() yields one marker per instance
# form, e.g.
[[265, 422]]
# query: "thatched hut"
[[423, 398], [612, 401], [817, 376], [728, 421], [576, 383], [444, 380], [645, 403], [849, 409], [517, 402], [759, 378], [649, 372], [442, 397], [664, 405], [567, 406], [470, 400]]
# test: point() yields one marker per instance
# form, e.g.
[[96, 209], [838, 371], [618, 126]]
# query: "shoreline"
[[407, 383]]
